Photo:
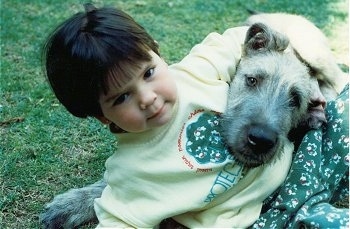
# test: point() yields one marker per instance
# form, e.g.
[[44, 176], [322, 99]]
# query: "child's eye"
[[121, 99], [148, 73]]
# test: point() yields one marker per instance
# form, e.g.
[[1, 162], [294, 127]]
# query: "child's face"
[[145, 102]]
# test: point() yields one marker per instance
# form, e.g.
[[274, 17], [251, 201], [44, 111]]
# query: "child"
[[171, 160]]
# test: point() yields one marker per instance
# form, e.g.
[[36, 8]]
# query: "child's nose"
[[147, 98]]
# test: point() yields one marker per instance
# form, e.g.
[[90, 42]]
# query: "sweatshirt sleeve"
[[106, 213], [216, 57]]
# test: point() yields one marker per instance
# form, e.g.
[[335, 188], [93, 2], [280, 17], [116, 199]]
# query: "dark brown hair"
[[84, 50]]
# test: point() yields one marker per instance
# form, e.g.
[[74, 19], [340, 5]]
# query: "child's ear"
[[112, 127], [103, 119]]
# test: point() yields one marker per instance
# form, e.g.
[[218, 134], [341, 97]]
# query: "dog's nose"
[[261, 138]]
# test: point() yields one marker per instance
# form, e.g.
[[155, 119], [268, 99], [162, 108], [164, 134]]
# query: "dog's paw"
[[56, 214], [316, 116], [72, 208], [66, 212]]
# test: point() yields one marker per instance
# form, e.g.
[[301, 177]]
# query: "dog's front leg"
[[72, 208]]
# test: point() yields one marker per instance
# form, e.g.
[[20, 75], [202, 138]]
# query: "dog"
[[76, 207], [271, 94]]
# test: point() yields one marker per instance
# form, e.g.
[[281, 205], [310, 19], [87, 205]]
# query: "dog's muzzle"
[[261, 139]]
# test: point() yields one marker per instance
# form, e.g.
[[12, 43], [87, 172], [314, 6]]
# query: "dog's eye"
[[295, 98], [251, 81]]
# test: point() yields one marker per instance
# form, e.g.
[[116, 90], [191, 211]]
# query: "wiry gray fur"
[[271, 94], [72, 208], [75, 207]]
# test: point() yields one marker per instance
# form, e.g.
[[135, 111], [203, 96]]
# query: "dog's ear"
[[261, 38]]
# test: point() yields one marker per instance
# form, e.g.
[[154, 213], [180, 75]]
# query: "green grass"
[[43, 149]]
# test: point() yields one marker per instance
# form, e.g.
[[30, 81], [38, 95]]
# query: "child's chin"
[[165, 116]]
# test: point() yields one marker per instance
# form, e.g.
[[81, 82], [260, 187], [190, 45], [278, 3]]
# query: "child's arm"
[[115, 213], [108, 213], [216, 57], [106, 218]]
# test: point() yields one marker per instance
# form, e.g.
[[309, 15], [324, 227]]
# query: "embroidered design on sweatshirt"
[[204, 142], [203, 149]]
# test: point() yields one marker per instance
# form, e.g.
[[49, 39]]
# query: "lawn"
[[43, 149]]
